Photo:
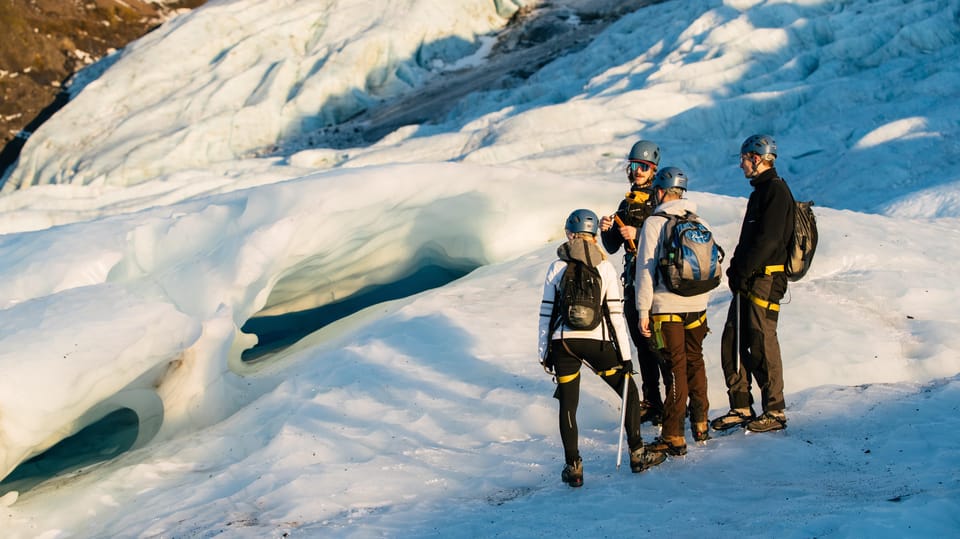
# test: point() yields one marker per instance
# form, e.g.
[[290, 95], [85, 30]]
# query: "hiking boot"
[[642, 459], [734, 418], [573, 474], [768, 421], [674, 446], [700, 431], [651, 414]]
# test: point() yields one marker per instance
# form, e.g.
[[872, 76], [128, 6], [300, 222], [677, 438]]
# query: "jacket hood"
[[678, 207], [581, 250]]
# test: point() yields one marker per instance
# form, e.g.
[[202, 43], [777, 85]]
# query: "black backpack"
[[803, 242], [580, 296], [690, 262]]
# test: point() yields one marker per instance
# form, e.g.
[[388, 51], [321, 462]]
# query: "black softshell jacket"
[[767, 226], [632, 214]]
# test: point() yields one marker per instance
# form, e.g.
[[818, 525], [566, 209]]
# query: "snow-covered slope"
[[126, 281]]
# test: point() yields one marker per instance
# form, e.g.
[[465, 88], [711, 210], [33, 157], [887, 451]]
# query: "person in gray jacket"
[[677, 324], [562, 350]]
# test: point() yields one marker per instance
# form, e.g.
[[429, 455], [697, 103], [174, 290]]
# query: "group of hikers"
[[667, 328]]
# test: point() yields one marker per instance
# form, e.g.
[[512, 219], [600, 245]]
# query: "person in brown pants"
[[676, 324]]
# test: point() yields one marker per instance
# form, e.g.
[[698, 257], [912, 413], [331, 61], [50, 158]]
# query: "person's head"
[[582, 223], [642, 162], [669, 184], [757, 154]]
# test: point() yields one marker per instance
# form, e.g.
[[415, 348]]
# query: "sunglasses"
[[639, 165]]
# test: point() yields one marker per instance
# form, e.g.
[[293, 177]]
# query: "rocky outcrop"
[[44, 42]]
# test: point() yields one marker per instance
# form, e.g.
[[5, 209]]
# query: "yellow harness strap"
[[770, 270], [659, 319], [697, 323], [609, 372], [768, 305], [572, 377]]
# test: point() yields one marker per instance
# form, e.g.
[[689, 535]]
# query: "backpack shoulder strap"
[[666, 236], [667, 231], [555, 321], [608, 327]]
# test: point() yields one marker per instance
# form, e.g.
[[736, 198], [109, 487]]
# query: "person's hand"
[[628, 232], [547, 366], [605, 223], [645, 327], [627, 366], [734, 281]]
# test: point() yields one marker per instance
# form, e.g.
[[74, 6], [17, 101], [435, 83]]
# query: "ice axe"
[[631, 246], [623, 416], [736, 334]]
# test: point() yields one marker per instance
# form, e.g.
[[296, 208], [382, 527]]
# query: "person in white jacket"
[[562, 349], [677, 324]]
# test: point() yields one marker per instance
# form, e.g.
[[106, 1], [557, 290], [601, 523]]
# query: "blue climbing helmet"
[[583, 220], [668, 177], [645, 151], [760, 145]]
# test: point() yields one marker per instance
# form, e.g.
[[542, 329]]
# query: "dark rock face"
[[44, 42]]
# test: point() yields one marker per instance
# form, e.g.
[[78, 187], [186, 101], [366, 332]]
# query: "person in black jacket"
[[622, 230], [758, 282]]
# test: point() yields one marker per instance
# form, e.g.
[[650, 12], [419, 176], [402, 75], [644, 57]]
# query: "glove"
[[627, 366], [734, 281], [547, 365]]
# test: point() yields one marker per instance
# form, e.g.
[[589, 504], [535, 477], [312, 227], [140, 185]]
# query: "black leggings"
[[602, 356], [648, 360]]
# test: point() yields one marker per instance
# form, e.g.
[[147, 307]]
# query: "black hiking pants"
[[648, 359], [602, 357], [760, 358]]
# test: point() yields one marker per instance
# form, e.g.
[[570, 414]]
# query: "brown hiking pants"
[[686, 378]]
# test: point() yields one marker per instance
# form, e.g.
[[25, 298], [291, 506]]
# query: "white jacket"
[[613, 298], [657, 299]]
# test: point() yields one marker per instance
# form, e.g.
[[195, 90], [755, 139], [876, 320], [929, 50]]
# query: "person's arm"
[[647, 264], [610, 235], [613, 298], [611, 238], [546, 309]]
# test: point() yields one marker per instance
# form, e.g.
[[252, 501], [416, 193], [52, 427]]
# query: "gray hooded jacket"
[[653, 296]]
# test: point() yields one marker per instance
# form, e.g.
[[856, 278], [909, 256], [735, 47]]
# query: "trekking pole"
[[623, 417], [736, 356], [632, 247]]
